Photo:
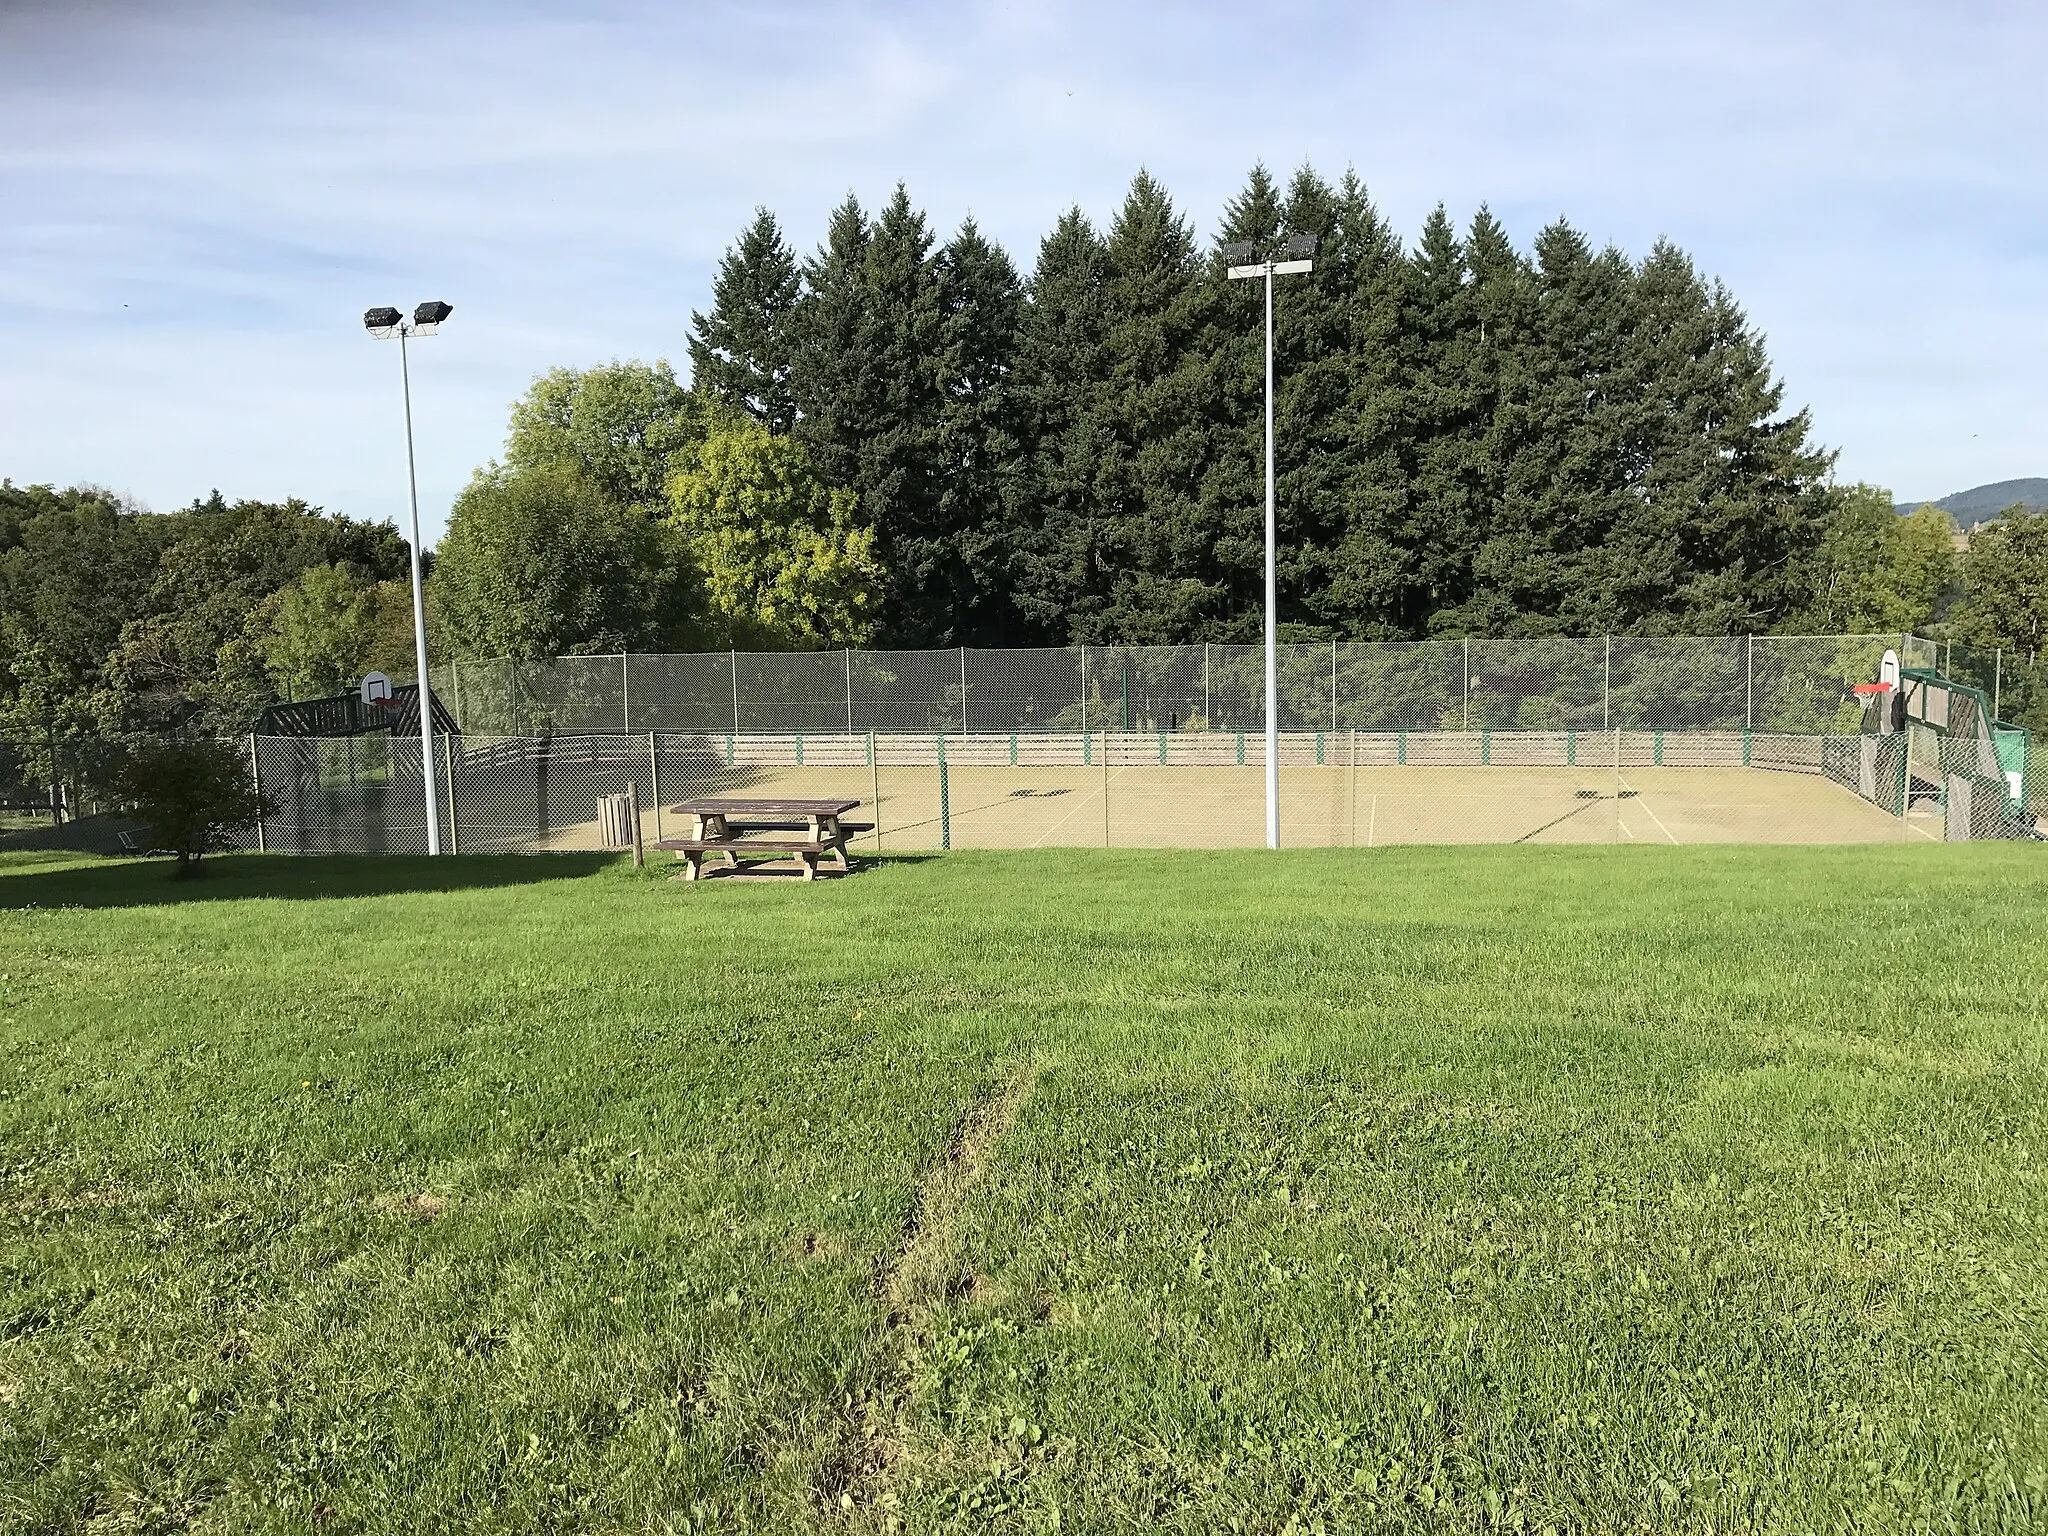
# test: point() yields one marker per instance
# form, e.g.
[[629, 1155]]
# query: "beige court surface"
[[1378, 806]]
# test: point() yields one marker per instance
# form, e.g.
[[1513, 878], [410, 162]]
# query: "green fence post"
[[1657, 751], [1485, 746], [1745, 746], [1571, 749], [1240, 749], [945, 803], [1162, 747], [1319, 749], [1087, 749], [1401, 753], [799, 749], [871, 749], [728, 749], [1013, 749]]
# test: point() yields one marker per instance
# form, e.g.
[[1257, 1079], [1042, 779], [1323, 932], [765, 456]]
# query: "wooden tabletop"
[[730, 807]]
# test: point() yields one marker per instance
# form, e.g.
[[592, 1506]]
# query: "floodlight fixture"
[[1237, 253], [385, 323], [428, 316], [1299, 245]]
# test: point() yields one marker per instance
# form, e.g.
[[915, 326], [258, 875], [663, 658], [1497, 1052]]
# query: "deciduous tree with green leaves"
[[543, 562], [782, 561]]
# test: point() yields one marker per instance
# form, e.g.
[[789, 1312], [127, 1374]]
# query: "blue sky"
[[201, 199]]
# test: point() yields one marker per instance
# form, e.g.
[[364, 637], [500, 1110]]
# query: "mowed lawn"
[[1580, 1189]]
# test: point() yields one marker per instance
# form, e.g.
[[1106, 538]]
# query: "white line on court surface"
[[1646, 809], [1085, 801]]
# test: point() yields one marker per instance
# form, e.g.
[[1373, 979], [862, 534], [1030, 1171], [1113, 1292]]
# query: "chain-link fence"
[[1625, 739], [1158, 788], [1773, 684]]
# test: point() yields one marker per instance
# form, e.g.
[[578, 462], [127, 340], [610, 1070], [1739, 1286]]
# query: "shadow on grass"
[[61, 880]]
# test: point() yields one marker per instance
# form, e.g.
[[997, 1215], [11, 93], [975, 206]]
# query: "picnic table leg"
[[810, 864], [690, 858]]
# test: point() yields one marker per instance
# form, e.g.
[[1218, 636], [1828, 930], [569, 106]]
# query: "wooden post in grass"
[[633, 815]]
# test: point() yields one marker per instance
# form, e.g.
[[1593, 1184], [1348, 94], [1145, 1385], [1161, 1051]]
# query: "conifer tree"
[[1369, 588], [1443, 421], [1160, 411], [978, 443], [1233, 507], [742, 354], [1734, 498], [831, 383], [1056, 527]]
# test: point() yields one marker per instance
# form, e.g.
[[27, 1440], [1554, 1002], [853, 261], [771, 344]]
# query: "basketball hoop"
[[1870, 697]]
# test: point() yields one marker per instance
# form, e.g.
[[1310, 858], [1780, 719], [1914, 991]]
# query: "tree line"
[[906, 441]]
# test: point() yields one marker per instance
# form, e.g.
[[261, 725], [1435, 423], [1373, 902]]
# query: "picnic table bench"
[[725, 826]]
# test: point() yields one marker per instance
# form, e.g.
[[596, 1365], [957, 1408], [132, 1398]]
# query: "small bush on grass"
[[193, 791]]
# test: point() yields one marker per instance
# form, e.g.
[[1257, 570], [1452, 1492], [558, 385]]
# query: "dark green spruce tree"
[[743, 352], [1161, 413], [1370, 588], [978, 440], [1056, 524]]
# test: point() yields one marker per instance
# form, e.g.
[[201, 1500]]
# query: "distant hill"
[[1984, 502]]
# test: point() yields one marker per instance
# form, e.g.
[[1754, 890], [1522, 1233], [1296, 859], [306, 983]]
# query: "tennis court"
[[1338, 806]]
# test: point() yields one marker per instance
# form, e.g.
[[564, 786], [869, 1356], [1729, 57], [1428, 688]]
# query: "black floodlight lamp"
[[429, 315], [1237, 253], [1300, 245], [382, 323]]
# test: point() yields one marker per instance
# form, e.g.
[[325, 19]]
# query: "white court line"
[[1079, 805], [1647, 811]]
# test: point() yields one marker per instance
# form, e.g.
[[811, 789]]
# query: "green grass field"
[[1580, 1189]]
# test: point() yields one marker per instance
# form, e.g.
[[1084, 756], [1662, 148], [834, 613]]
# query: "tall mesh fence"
[[1773, 684], [1346, 787], [1533, 740]]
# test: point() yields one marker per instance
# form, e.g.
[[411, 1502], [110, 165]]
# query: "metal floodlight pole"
[[385, 324], [1296, 245]]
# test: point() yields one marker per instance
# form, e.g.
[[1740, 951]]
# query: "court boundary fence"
[[1760, 683], [533, 793]]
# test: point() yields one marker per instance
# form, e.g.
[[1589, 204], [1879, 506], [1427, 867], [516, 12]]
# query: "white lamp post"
[[385, 324], [1297, 248]]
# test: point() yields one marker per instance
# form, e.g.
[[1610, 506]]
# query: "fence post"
[[1997, 679], [1105, 787], [625, 699], [448, 772], [1607, 686], [1749, 684], [653, 782], [733, 659], [963, 690], [1468, 683], [1208, 712], [256, 780], [633, 810], [875, 769], [1571, 748], [945, 802], [849, 690], [1333, 687]]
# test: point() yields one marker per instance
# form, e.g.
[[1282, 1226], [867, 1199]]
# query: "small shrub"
[[192, 790]]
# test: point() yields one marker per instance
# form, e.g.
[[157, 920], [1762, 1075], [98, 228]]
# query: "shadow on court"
[[63, 880]]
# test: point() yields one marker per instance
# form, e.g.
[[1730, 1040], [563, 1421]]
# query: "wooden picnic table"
[[724, 825]]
